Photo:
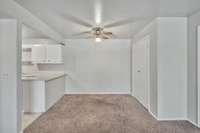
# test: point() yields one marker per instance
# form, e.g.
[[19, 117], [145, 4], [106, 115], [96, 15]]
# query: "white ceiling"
[[137, 13], [29, 33]]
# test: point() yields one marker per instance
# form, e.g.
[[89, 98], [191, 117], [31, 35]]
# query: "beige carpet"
[[103, 114]]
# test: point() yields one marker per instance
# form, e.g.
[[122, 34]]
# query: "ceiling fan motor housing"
[[97, 31]]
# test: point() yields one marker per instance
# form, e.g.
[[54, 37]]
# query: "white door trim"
[[147, 38], [198, 77]]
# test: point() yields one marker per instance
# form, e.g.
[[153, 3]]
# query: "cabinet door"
[[54, 54], [39, 54]]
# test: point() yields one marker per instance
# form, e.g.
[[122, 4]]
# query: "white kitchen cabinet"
[[54, 54], [33, 96], [38, 54], [42, 54], [40, 95], [55, 89]]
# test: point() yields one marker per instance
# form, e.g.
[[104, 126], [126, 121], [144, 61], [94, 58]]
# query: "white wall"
[[172, 68], [10, 102], [193, 22], [168, 67], [97, 67]]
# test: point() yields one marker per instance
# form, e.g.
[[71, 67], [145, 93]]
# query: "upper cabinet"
[[38, 54], [43, 54], [54, 54]]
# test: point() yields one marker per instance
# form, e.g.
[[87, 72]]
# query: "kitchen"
[[42, 87]]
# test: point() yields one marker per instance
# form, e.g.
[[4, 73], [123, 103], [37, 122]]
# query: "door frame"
[[198, 76]]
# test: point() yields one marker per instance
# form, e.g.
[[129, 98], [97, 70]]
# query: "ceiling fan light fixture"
[[98, 39]]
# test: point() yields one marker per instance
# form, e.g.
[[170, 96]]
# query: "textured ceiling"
[[127, 16]]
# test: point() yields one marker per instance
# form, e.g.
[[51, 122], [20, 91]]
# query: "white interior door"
[[141, 71]]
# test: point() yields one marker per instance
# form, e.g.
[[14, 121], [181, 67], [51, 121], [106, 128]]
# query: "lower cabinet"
[[55, 89], [40, 95]]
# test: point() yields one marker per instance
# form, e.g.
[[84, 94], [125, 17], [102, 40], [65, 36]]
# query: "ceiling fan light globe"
[[97, 39]]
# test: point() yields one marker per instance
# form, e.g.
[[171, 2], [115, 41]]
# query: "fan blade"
[[81, 33], [89, 37], [122, 22], [104, 37], [76, 20], [107, 33], [111, 36]]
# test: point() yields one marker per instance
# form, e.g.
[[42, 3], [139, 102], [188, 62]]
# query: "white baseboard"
[[153, 115], [193, 123], [128, 93], [168, 119], [172, 119], [163, 119]]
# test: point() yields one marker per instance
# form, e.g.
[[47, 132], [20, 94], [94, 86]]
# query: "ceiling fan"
[[97, 32]]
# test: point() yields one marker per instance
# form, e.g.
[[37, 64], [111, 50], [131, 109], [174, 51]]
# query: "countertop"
[[42, 75]]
